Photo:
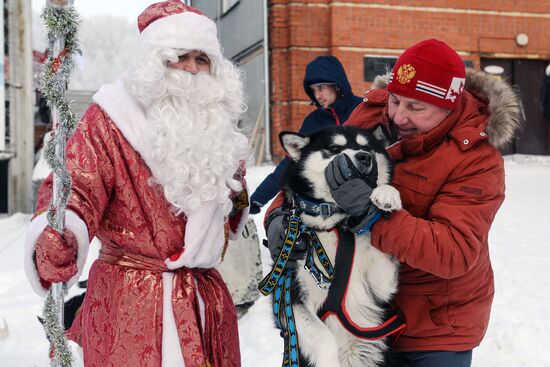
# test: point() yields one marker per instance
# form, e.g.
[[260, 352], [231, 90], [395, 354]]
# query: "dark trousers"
[[433, 359]]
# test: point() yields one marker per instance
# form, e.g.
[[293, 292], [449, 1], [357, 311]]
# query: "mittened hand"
[[255, 207], [349, 185], [56, 255], [276, 233]]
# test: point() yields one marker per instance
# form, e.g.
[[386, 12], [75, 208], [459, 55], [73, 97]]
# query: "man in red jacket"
[[443, 126]]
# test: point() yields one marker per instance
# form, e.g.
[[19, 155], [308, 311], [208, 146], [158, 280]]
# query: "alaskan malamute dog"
[[350, 323]]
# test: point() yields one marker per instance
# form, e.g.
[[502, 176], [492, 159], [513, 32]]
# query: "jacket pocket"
[[425, 315], [417, 195]]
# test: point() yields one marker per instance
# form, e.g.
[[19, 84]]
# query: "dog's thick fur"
[[373, 280]]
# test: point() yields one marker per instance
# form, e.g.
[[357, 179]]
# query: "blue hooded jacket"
[[323, 69]]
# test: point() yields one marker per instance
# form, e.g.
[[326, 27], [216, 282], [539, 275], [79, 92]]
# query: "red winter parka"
[[451, 181]]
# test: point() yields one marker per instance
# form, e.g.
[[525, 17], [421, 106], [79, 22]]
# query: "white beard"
[[195, 142]]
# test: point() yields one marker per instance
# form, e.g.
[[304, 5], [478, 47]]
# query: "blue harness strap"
[[316, 248]]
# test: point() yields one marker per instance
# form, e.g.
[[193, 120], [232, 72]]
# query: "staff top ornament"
[[59, 3]]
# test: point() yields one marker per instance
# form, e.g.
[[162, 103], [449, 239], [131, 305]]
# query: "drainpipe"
[[267, 108]]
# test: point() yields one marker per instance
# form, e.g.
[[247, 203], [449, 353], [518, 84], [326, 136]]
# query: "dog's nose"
[[363, 159]]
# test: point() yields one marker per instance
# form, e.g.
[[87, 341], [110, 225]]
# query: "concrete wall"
[[241, 33]]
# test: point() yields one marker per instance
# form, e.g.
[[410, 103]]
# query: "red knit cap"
[[429, 71]]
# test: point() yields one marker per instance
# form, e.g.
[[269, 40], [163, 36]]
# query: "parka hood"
[[327, 69], [503, 105]]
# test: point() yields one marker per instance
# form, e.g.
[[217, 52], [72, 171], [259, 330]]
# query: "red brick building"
[[484, 32]]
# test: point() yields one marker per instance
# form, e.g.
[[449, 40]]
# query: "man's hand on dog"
[[350, 186], [277, 225]]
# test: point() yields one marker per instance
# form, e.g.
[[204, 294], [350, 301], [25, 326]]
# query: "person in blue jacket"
[[327, 85]]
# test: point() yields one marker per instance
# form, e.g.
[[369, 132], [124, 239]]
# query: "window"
[[380, 65], [377, 65]]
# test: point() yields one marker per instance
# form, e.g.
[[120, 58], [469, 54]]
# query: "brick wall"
[[301, 30]]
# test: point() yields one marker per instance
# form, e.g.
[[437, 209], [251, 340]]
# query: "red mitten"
[[56, 255]]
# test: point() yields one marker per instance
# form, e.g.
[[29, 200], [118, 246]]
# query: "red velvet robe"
[[121, 320]]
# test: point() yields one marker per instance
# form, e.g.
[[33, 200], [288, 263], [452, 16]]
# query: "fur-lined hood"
[[503, 104]]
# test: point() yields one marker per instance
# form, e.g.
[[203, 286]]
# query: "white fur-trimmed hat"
[[172, 24]]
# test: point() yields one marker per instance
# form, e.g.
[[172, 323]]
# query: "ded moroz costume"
[[160, 182]]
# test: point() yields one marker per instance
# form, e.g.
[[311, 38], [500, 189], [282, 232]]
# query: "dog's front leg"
[[316, 341], [386, 197]]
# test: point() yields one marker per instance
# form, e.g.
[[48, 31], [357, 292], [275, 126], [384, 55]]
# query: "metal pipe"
[[57, 288], [267, 110]]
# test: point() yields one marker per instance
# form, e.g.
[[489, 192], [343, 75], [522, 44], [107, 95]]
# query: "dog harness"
[[315, 207], [335, 302], [280, 281]]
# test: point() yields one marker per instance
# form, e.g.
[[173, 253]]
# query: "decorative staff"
[[61, 21]]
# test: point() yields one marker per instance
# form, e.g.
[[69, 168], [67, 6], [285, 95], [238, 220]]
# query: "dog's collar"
[[316, 207]]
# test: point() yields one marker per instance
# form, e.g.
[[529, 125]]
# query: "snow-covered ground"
[[519, 332]]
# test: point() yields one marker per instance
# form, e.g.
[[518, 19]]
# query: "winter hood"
[[326, 69], [503, 105]]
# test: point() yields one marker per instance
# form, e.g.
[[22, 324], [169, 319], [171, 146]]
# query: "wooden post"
[[20, 94]]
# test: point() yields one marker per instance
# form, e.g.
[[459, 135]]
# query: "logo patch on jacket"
[[414, 174], [471, 190]]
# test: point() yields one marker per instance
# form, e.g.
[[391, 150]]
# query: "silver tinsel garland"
[[62, 25], [61, 351]]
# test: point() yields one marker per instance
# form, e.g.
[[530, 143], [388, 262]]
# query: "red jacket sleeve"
[[448, 242], [276, 203]]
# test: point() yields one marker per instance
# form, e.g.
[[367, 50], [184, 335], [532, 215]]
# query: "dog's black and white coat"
[[373, 276]]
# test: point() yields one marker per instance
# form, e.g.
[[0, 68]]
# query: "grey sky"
[[125, 8]]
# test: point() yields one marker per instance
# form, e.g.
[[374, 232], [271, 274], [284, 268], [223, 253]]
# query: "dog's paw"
[[386, 198]]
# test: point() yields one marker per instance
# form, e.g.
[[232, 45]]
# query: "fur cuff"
[[234, 234], [242, 210], [74, 224]]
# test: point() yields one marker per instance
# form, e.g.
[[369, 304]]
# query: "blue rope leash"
[[284, 317], [267, 284], [281, 279]]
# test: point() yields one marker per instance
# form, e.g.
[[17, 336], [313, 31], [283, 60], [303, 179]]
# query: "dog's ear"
[[293, 144], [383, 136]]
